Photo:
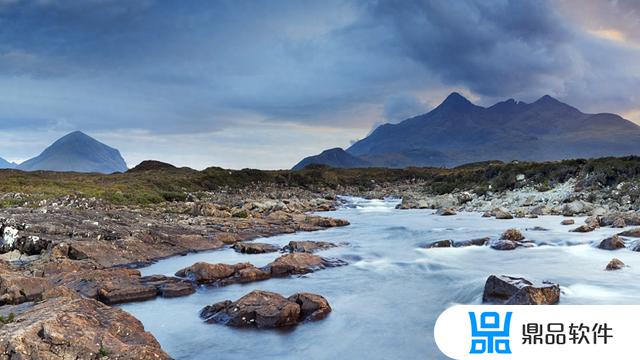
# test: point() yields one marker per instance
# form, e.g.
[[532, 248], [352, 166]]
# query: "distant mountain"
[[459, 132], [335, 157], [4, 164], [77, 152]]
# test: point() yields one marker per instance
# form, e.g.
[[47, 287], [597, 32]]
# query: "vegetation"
[[153, 183], [9, 319]]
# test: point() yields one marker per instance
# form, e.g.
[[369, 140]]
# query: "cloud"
[[201, 70]]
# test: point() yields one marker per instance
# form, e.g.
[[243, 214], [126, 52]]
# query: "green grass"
[[156, 185]]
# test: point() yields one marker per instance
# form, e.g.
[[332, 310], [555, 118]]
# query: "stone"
[[264, 309], [502, 214], [76, 328], [446, 212], [254, 248], [583, 229], [300, 263], [615, 264], [507, 290], [473, 242], [611, 243], [223, 274], [487, 214], [307, 246], [504, 245], [512, 234], [635, 232], [618, 223], [439, 244], [568, 222]]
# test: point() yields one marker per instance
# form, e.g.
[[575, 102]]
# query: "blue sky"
[[264, 83]]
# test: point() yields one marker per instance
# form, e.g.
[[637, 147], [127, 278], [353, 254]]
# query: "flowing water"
[[386, 301]]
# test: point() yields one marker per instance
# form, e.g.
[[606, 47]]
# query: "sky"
[[262, 84]]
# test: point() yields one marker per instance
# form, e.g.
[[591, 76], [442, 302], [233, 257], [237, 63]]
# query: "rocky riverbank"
[[64, 262]]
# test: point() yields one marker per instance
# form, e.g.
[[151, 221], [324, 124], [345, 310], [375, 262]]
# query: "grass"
[[161, 183]]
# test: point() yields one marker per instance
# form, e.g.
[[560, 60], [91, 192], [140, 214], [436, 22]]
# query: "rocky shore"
[[64, 263]]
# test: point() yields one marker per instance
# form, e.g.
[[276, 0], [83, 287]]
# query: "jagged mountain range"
[[458, 132], [76, 152]]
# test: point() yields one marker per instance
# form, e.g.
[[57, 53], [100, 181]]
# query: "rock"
[[507, 290], [502, 214], [583, 229], [631, 233], [223, 274], [312, 306], [254, 248], [264, 309], [326, 222], [307, 246], [487, 214], [169, 287], [615, 264], [16, 288], [446, 212], [67, 328], [618, 223], [576, 207], [512, 234], [568, 222], [537, 228], [504, 245], [300, 263], [439, 244], [612, 243], [473, 242], [594, 221]]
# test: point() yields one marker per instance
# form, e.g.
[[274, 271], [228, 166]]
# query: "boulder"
[[264, 309], [307, 246], [254, 248], [618, 223], [507, 290], [615, 264], [512, 234], [504, 245], [576, 207], [76, 328], [16, 288], [300, 263], [487, 214], [439, 244], [223, 274], [473, 242], [612, 243], [312, 306], [635, 232], [502, 214], [584, 228], [568, 222], [446, 212]]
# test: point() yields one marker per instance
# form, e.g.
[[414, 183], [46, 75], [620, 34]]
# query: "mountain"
[[4, 164], [459, 132], [77, 152], [335, 157]]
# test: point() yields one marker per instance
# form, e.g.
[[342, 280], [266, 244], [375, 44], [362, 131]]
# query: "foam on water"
[[386, 300]]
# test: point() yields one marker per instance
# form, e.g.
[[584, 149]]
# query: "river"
[[386, 301]]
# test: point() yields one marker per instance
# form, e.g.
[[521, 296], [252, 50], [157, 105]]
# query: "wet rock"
[[576, 207], [67, 328], [473, 242], [512, 234], [439, 244], [568, 222], [254, 248], [326, 222], [631, 233], [169, 287], [300, 263], [264, 309], [502, 214], [618, 223], [312, 306], [307, 246], [615, 264], [537, 228], [487, 214], [584, 228], [594, 221], [446, 212], [612, 243], [504, 245], [507, 290], [223, 274]]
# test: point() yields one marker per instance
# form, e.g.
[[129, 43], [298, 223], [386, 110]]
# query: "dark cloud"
[[212, 70]]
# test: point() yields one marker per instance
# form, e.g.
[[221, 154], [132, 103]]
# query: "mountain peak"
[[547, 99], [455, 101]]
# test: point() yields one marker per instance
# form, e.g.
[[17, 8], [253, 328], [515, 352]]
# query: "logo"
[[490, 337]]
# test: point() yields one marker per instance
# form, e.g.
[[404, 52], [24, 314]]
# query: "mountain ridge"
[[458, 132]]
